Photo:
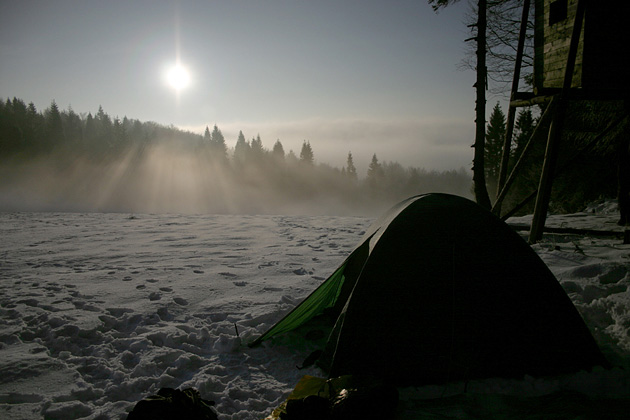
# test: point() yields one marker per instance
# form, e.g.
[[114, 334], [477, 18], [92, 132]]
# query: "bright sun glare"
[[178, 77]]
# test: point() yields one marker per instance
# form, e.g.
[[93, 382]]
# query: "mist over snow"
[[178, 176]]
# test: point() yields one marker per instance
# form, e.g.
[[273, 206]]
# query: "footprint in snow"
[[240, 283], [166, 289], [614, 275], [154, 296], [267, 264], [227, 274], [118, 312], [180, 301], [198, 271]]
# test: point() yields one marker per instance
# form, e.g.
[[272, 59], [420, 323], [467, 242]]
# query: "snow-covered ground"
[[98, 311]]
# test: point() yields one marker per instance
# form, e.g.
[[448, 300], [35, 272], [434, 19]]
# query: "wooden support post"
[[507, 143], [555, 132], [542, 122], [546, 177], [568, 164]]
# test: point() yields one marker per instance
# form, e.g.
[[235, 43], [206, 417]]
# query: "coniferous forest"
[[61, 160]]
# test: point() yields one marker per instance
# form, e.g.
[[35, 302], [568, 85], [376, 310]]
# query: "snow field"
[[101, 310]]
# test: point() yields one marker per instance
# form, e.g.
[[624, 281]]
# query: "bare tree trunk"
[[479, 176]]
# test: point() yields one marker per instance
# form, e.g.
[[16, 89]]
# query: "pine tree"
[[241, 150], [34, 127], [90, 133], [18, 121], [278, 151], [218, 146], [9, 133], [105, 128], [351, 170], [528, 175], [73, 127], [495, 135], [480, 27], [291, 159], [54, 127], [524, 128], [375, 172], [306, 155], [120, 135], [256, 149]]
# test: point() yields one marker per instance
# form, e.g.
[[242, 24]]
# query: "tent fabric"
[[442, 290], [327, 298], [315, 304]]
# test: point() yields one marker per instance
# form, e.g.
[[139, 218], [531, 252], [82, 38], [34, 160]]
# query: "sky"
[[367, 77]]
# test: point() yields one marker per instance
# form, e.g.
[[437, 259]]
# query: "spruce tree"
[[306, 155], [495, 135], [34, 127], [351, 170], [105, 128], [90, 133], [73, 127], [218, 146], [257, 150], [120, 135], [278, 151], [480, 27], [241, 150], [524, 128], [54, 127], [374, 173], [528, 175]]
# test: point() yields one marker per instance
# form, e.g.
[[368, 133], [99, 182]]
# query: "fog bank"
[[164, 178]]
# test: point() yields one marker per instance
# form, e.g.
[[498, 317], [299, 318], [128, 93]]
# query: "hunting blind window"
[[557, 11]]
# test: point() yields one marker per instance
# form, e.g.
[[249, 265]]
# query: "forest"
[[61, 160]]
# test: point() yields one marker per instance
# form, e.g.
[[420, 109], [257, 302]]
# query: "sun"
[[178, 77]]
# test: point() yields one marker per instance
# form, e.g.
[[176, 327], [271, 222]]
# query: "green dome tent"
[[441, 290]]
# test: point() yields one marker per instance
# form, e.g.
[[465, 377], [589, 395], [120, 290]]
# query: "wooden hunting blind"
[[581, 53], [603, 54]]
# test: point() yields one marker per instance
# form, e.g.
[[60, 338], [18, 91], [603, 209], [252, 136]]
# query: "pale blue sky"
[[363, 76]]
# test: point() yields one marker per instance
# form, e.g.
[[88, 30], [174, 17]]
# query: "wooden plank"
[[555, 132], [555, 48], [572, 231]]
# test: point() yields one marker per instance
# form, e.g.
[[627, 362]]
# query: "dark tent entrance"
[[441, 290]]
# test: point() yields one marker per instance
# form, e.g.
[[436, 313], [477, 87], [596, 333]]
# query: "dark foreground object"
[[441, 290], [173, 404], [343, 398]]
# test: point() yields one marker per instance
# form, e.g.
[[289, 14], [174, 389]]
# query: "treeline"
[[102, 163]]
